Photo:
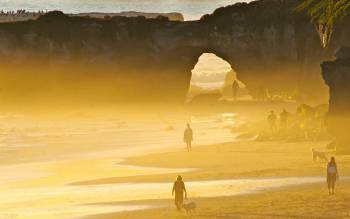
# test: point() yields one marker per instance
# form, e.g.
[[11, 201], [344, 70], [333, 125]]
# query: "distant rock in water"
[[336, 74], [174, 16]]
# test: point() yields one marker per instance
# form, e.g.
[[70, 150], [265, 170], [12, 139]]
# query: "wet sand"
[[61, 170], [43, 159], [244, 160], [99, 184], [309, 202]]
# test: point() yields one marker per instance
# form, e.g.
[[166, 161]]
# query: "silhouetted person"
[[188, 137], [261, 94], [272, 118], [179, 189], [235, 87], [283, 119], [332, 175]]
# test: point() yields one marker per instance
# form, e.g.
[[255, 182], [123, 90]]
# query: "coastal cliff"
[[136, 59], [336, 74]]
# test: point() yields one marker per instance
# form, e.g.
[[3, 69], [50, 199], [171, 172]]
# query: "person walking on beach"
[[235, 87], [272, 118], [283, 119], [332, 175], [188, 137], [179, 189]]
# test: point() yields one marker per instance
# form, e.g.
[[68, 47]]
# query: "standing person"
[[272, 118], [283, 119], [179, 189], [235, 87], [332, 175], [188, 137]]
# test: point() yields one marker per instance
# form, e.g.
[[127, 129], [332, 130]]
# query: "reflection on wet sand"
[[43, 175], [49, 196]]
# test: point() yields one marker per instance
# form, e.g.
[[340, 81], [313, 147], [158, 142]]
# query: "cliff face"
[[136, 59], [337, 76], [269, 45]]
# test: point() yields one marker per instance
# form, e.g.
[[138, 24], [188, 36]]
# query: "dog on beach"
[[189, 207], [317, 155]]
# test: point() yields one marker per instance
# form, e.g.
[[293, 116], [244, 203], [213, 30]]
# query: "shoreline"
[[143, 174], [297, 156], [302, 201], [223, 151]]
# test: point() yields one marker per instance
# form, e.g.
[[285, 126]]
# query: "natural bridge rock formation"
[[337, 76], [57, 57]]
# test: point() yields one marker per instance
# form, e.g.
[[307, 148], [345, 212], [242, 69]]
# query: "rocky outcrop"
[[337, 76], [174, 16], [138, 59]]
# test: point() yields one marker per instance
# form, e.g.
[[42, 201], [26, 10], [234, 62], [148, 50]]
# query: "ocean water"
[[154, 132], [210, 71], [191, 9], [49, 157], [42, 158]]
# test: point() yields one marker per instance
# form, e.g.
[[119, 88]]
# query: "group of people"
[[272, 120], [305, 124]]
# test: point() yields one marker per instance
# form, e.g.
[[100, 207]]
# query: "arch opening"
[[213, 76]]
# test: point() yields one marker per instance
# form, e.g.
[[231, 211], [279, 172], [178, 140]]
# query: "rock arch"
[[138, 59]]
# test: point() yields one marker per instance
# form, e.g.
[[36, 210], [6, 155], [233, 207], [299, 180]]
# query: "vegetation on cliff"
[[325, 14]]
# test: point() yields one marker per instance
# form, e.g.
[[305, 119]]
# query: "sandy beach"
[[311, 201], [84, 170], [246, 160], [110, 108]]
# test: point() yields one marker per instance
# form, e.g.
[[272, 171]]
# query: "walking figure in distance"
[[332, 175], [272, 118], [283, 119], [179, 189], [235, 87], [188, 137]]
